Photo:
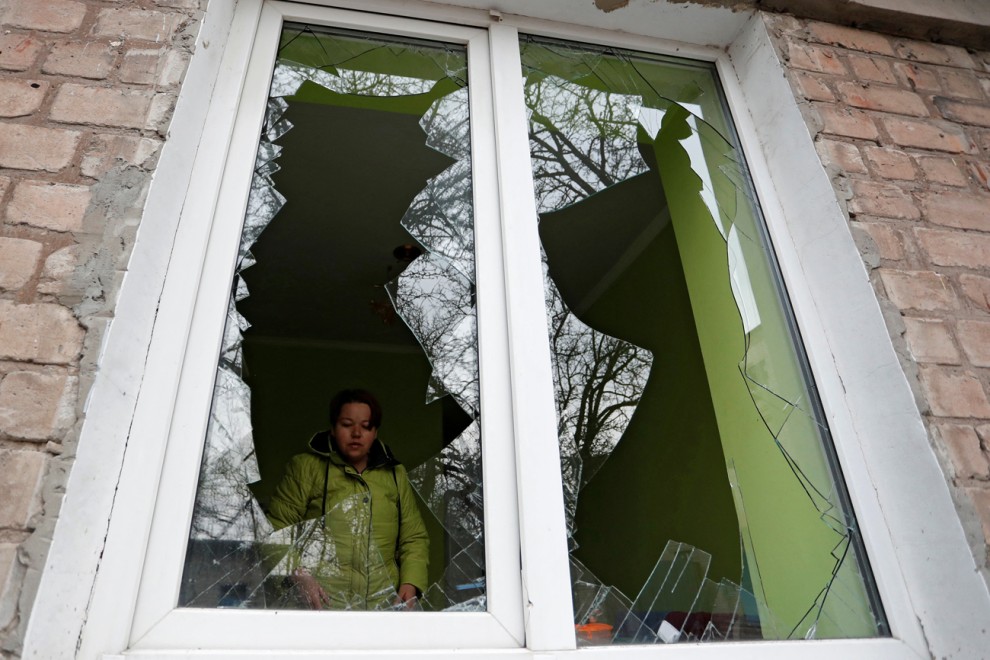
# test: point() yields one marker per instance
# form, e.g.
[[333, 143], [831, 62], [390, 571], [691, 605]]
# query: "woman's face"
[[355, 434]]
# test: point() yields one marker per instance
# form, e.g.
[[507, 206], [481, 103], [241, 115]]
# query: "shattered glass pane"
[[346, 108], [685, 409]]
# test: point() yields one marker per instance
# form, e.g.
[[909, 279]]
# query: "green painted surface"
[[787, 543]]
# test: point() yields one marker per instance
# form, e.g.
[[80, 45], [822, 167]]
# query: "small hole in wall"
[[35, 85]]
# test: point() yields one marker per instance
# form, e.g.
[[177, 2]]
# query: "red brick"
[[942, 170], [18, 52], [965, 113], [160, 114], [57, 206], [18, 262], [883, 99], [173, 69], [39, 332], [21, 97], [890, 163], [843, 155], [25, 147], [961, 84], [929, 341], [141, 65], [847, 123], [977, 289], [84, 59], [106, 151], [981, 503], [888, 241], [952, 393], [37, 406], [850, 38], [937, 136], [975, 339], [22, 475], [812, 87], [882, 199], [957, 209], [955, 248], [963, 446], [179, 4], [871, 68], [918, 289], [813, 58], [143, 24], [58, 268], [918, 77], [934, 54], [981, 173], [10, 576], [48, 16], [77, 104]]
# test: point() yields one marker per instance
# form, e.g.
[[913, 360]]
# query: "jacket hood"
[[323, 444]]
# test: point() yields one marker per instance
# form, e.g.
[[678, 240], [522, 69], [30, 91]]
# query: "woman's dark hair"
[[355, 396]]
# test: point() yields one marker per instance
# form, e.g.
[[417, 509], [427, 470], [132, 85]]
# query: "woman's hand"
[[407, 595], [315, 596]]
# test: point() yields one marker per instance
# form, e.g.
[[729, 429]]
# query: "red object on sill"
[[596, 633]]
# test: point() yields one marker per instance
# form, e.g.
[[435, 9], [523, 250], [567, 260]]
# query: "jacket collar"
[[323, 444]]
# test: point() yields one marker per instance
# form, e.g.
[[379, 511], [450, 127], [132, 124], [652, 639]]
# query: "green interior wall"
[[666, 480]]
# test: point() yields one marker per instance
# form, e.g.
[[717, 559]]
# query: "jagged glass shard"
[[447, 126], [581, 140], [450, 484], [442, 217], [436, 301]]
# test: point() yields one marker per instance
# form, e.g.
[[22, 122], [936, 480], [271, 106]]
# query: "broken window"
[[355, 269], [702, 494]]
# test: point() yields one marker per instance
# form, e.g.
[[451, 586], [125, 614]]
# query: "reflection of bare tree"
[[450, 485], [598, 381], [436, 301], [582, 140], [441, 217], [290, 76]]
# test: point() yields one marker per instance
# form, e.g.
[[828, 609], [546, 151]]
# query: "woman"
[[373, 549]]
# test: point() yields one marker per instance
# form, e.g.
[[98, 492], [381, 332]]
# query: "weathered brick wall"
[[86, 90], [904, 129]]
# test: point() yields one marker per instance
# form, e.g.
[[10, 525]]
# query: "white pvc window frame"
[[157, 622], [911, 532]]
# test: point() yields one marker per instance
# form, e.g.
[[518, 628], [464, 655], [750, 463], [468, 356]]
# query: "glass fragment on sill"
[[656, 263], [235, 558], [295, 554]]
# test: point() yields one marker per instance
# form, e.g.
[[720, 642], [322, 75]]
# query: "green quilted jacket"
[[373, 537]]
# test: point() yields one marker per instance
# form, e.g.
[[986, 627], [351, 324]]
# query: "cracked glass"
[[355, 269], [703, 497]]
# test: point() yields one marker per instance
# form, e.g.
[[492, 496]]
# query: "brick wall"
[[904, 129], [86, 90]]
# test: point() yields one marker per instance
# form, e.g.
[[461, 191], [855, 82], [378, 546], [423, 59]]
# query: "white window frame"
[[157, 622], [919, 557]]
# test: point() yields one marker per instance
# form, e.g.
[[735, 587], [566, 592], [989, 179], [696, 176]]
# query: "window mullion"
[[543, 534]]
